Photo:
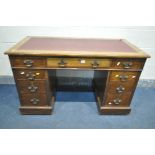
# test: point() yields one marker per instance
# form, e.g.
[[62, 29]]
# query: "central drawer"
[[78, 63]]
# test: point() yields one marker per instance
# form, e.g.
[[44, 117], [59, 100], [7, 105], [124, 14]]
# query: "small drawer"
[[27, 62], [129, 63], [119, 87], [119, 100], [128, 77], [78, 63], [29, 74], [34, 100], [39, 86]]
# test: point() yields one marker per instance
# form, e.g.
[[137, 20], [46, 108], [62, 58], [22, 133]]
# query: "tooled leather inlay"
[[65, 44]]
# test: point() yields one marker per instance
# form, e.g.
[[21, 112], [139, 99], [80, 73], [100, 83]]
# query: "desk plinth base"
[[114, 110], [40, 110], [25, 110]]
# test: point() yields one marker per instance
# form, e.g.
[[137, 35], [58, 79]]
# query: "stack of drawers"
[[32, 84], [121, 84]]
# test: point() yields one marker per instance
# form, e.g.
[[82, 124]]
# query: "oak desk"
[[117, 65]]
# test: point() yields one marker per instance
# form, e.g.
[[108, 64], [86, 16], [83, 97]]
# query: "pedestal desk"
[[117, 66]]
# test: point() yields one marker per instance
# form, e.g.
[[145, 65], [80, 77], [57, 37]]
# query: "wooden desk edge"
[[79, 54], [138, 54]]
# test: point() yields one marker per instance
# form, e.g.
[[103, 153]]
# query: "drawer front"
[[119, 100], [128, 77], [39, 86], [78, 62], [129, 64], [27, 62], [121, 87], [29, 74], [34, 100]]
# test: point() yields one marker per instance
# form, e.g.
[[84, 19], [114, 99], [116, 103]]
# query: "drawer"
[[119, 100], [29, 74], [129, 63], [128, 77], [27, 62], [78, 62], [34, 99], [121, 87], [39, 86]]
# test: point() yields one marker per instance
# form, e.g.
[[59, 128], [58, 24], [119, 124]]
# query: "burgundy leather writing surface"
[[65, 44]]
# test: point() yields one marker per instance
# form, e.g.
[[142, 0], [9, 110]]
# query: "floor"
[[77, 110]]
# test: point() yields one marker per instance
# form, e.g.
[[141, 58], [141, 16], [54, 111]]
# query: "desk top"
[[49, 46]]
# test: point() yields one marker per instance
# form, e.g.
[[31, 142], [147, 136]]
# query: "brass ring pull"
[[120, 89], [127, 65], [117, 101], [32, 88], [30, 76], [34, 101], [95, 64], [62, 63], [123, 77], [28, 63]]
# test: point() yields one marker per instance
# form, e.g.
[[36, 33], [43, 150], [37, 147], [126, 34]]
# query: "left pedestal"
[[34, 87]]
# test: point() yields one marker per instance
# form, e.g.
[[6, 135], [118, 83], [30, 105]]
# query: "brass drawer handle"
[[95, 64], [123, 77], [127, 65], [28, 63], [32, 89], [30, 76], [120, 89], [117, 101], [62, 63], [34, 101]]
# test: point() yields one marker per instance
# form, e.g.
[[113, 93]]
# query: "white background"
[[143, 37], [87, 13]]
